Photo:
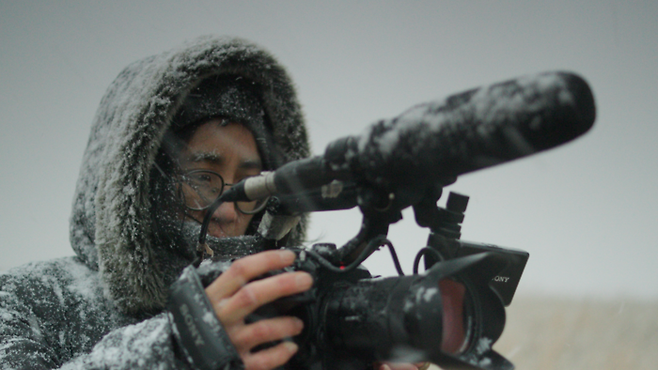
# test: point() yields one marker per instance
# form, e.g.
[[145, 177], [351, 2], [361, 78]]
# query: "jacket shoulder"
[[53, 282], [57, 305]]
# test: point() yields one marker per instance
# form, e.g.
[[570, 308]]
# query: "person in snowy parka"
[[172, 132], [213, 111]]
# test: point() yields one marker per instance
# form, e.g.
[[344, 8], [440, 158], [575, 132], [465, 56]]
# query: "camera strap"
[[197, 329]]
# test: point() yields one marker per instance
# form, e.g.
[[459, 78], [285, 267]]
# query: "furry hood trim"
[[111, 228]]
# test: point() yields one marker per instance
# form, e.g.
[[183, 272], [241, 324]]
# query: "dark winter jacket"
[[104, 307]]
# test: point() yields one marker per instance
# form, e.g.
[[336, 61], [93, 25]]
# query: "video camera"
[[452, 313]]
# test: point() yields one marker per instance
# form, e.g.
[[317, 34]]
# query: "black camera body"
[[450, 314], [352, 319]]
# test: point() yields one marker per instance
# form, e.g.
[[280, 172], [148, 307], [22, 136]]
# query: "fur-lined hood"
[[111, 228]]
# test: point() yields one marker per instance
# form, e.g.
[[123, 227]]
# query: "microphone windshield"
[[439, 140]]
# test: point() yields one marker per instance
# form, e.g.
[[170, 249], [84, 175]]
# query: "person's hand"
[[234, 296]]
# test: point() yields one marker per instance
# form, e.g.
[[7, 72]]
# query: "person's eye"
[[204, 178], [198, 178]]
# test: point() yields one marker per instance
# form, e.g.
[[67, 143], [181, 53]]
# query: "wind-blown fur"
[[111, 226]]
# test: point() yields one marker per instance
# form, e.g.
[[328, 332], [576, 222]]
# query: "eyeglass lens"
[[201, 188]]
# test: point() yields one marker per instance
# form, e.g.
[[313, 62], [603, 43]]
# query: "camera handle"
[[379, 211]]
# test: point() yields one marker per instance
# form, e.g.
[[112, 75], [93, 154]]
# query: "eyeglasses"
[[200, 188]]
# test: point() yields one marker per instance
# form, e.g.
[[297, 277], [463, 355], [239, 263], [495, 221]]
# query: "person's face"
[[230, 151]]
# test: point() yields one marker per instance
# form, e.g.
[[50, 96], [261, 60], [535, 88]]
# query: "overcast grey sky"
[[586, 212]]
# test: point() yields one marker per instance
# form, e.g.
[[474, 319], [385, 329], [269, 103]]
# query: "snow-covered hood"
[[111, 229]]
